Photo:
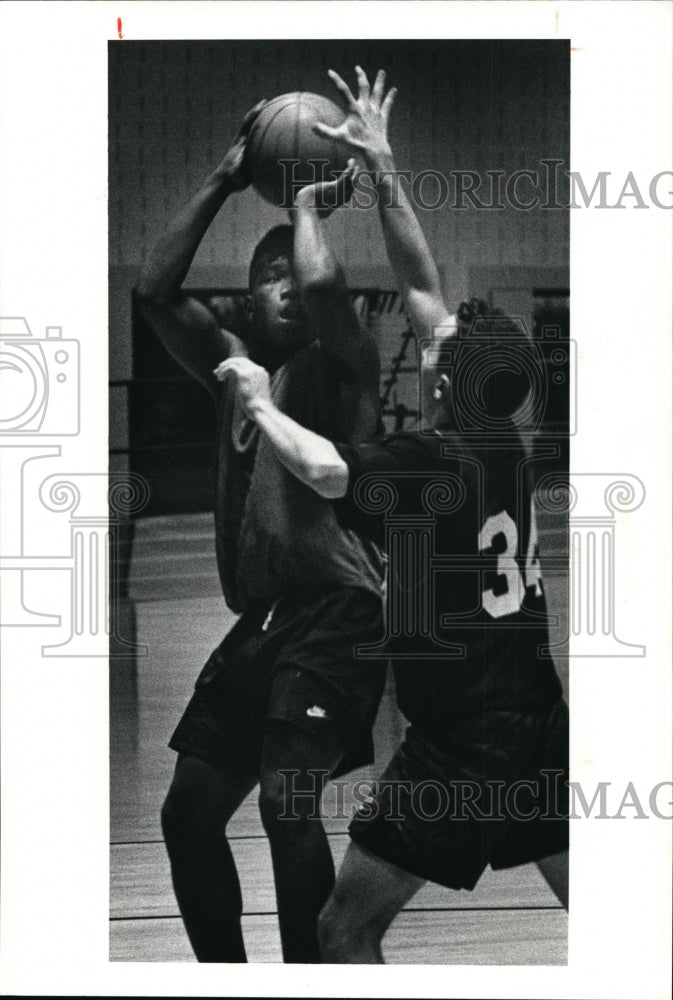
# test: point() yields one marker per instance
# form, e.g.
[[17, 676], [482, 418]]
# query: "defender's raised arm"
[[366, 129]]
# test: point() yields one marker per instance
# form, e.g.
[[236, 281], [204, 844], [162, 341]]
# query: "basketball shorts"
[[295, 664], [495, 792]]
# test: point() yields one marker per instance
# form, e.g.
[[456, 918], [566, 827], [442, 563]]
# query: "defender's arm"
[[309, 457], [366, 128]]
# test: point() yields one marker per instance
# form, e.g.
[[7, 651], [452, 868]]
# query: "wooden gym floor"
[[176, 611]]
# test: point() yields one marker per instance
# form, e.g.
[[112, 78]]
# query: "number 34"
[[498, 605]]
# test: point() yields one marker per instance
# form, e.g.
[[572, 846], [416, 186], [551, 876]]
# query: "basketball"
[[283, 131]]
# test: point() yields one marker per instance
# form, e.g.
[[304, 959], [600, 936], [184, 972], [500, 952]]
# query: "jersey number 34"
[[509, 602]]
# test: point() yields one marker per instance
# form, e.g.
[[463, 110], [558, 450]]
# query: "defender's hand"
[[325, 196], [233, 166], [252, 379], [366, 124]]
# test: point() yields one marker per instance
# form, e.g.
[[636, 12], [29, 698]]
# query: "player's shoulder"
[[421, 448], [443, 442]]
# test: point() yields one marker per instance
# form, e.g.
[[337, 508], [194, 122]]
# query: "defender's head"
[[279, 326], [481, 376]]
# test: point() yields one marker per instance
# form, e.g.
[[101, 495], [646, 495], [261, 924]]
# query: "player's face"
[[275, 309]]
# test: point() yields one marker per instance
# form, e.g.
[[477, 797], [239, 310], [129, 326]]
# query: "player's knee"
[[270, 801], [171, 824], [283, 804], [273, 807], [186, 831]]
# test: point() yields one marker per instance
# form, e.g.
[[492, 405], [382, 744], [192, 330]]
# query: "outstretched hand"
[[326, 196], [234, 166], [252, 380], [366, 124]]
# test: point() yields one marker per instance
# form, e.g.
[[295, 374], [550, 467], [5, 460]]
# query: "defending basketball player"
[[488, 735], [282, 691]]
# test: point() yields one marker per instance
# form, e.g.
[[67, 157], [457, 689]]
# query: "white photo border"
[[53, 207]]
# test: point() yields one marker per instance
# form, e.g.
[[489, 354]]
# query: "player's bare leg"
[[555, 871], [303, 867], [200, 802], [368, 895]]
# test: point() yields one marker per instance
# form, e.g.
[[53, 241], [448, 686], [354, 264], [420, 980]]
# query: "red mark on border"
[[119, 27]]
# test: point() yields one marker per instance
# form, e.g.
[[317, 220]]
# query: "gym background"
[[173, 109], [462, 105]]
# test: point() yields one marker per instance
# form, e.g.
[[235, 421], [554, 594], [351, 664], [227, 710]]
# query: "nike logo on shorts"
[[316, 712]]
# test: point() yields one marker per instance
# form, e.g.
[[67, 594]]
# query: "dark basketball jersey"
[[274, 535], [467, 620]]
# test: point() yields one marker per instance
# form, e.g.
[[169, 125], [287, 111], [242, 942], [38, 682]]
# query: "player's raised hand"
[[326, 196], [253, 380], [233, 166], [366, 124]]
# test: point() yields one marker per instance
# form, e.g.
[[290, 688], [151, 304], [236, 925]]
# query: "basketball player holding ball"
[[283, 691], [481, 776]]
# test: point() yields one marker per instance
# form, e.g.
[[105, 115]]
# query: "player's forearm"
[[408, 251], [315, 266], [169, 262], [310, 458]]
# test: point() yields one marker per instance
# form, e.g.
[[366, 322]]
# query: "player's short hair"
[[278, 242], [489, 361], [476, 317]]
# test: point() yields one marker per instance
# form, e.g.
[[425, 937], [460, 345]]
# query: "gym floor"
[[175, 610]]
